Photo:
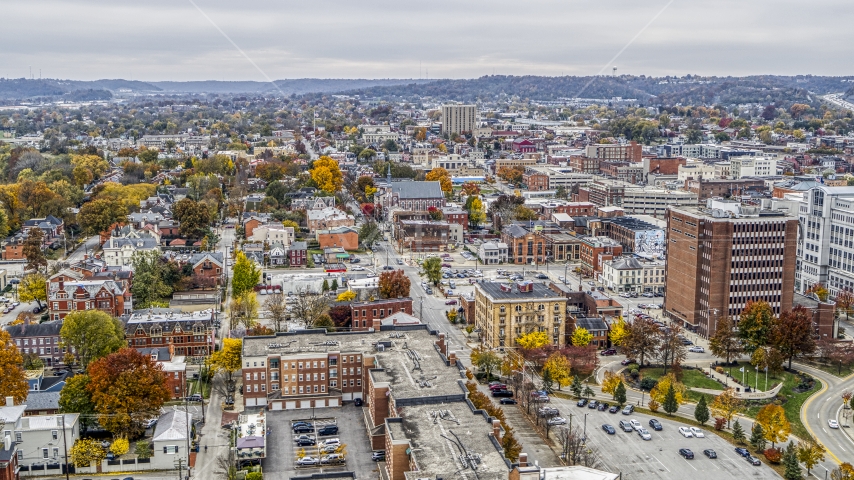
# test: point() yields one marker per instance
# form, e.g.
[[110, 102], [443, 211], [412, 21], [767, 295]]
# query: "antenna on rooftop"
[[614, 71]]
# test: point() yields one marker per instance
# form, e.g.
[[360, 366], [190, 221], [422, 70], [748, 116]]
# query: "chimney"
[[441, 344], [496, 430], [10, 401], [452, 358], [523, 459], [7, 442]]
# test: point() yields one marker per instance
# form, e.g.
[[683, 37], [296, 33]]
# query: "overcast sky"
[[173, 40]]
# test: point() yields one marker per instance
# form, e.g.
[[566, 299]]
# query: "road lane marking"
[[659, 461], [825, 431]]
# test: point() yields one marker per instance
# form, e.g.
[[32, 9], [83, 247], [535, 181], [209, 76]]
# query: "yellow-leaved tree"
[[533, 340], [659, 391], [86, 451], [774, 423], [581, 337], [611, 381], [227, 360], [619, 330], [13, 380], [442, 176], [120, 446], [559, 368], [347, 296], [327, 175], [726, 405]]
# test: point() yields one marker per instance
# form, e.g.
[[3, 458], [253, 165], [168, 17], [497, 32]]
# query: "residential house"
[[278, 254], [311, 202], [345, 237], [270, 233], [169, 440], [251, 224], [50, 225], [208, 267], [8, 459], [42, 403], [39, 439], [68, 291], [298, 254], [595, 325], [328, 218], [118, 251], [455, 214], [190, 334], [492, 253], [41, 339]]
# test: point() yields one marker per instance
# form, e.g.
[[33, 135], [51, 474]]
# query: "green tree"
[[792, 469], [670, 404], [246, 275], [195, 218], [325, 321], [588, 392], [33, 287], [701, 412], [810, 453], [325, 287], [576, 386], [92, 334], [149, 288], [757, 437], [738, 433], [433, 269], [99, 215], [75, 398], [620, 394], [548, 382], [754, 326], [334, 286], [369, 233]]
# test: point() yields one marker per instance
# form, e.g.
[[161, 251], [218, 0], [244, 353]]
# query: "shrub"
[[648, 384], [120, 446], [634, 373], [469, 375], [773, 455], [720, 423], [254, 476], [653, 405], [143, 449], [720, 370]]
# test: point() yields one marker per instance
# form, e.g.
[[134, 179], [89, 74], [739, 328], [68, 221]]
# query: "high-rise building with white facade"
[[459, 118], [745, 166], [826, 240]]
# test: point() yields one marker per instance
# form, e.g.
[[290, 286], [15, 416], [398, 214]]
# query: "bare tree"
[[225, 465], [671, 348], [278, 308], [575, 448], [309, 307]]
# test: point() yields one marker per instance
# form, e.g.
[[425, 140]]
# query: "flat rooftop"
[[446, 439], [494, 290]]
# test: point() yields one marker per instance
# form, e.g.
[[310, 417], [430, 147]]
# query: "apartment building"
[[724, 255], [505, 312], [633, 275], [826, 245], [191, 334], [633, 152], [368, 315], [460, 119], [524, 245], [41, 339], [583, 164], [750, 166], [69, 291]]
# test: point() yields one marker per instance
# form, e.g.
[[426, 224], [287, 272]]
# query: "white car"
[[636, 424], [697, 349], [697, 432], [307, 461], [557, 421], [357, 269], [832, 423], [644, 434], [686, 432]]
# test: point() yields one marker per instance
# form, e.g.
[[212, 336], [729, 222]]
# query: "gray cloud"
[[171, 40]]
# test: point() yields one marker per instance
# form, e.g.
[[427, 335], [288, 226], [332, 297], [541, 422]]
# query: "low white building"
[[40, 439], [633, 275], [492, 253], [273, 233], [170, 439]]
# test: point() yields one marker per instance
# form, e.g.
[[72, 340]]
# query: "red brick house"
[[14, 249], [298, 254], [189, 334], [523, 145], [367, 315], [68, 291], [8, 460], [208, 266], [536, 181], [250, 225], [456, 215]]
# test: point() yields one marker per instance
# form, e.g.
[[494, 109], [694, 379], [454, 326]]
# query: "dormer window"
[[156, 331]]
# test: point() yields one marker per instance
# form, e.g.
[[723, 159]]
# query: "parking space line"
[[659, 461]]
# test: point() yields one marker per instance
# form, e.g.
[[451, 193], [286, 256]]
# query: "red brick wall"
[[348, 241], [13, 252], [250, 225], [368, 315]]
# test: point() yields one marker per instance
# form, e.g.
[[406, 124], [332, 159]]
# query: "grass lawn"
[[691, 378], [194, 385], [833, 369]]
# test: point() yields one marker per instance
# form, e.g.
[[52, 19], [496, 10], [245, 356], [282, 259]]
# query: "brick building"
[[524, 246], [582, 164], [594, 250], [724, 255], [505, 312], [208, 267], [706, 189], [344, 237], [41, 339], [422, 236], [662, 166], [190, 334], [536, 181], [298, 254], [367, 315], [68, 291], [456, 215], [603, 193], [635, 235], [633, 152]]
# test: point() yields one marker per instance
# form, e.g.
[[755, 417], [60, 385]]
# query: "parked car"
[[635, 424], [328, 430], [303, 428], [753, 460], [502, 393], [697, 349], [151, 423], [357, 402], [378, 456], [307, 461], [628, 361], [602, 406], [608, 351], [332, 459], [451, 302], [557, 421], [686, 432], [687, 453], [628, 410], [332, 441], [644, 434], [697, 432], [542, 276], [507, 401], [196, 397], [306, 442], [655, 424], [399, 261], [742, 451], [609, 429], [497, 386], [592, 404], [582, 402], [710, 453], [614, 409], [626, 426]]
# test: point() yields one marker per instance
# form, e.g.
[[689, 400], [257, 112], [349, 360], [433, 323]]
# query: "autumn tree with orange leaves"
[[13, 381], [394, 284], [127, 389]]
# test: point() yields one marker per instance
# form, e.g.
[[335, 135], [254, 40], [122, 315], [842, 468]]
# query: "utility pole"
[[65, 446], [187, 418]]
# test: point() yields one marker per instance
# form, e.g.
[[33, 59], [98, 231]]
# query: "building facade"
[[68, 291], [723, 256], [190, 334], [826, 249], [505, 312], [459, 119]]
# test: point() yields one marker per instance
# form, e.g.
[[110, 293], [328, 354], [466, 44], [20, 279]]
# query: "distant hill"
[[27, 89], [688, 90]]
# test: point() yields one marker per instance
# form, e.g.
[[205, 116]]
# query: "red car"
[[610, 351], [451, 302]]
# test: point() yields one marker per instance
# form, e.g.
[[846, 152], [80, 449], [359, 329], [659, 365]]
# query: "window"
[[300, 365], [18, 436], [170, 449], [263, 387], [359, 382], [315, 365], [54, 434], [323, 388], [333, 383], [322, 364], [300, 377], [44, 453], [300, 389], [55, 453]]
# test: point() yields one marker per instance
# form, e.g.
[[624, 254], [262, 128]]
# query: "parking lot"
[[283, 452], [639, 459]]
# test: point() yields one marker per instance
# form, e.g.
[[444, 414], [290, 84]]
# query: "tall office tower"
[[459, 118]]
